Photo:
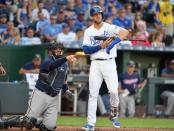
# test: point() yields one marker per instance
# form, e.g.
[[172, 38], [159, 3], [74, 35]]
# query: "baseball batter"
[[103, 66]]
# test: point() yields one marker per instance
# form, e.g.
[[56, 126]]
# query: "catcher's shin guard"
[[42, 127], [18, 121], [2, 124], [114, 112], [14, 121], [28, 122]]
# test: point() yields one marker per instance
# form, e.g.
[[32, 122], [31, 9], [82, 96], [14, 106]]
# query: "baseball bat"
[[102, 37]]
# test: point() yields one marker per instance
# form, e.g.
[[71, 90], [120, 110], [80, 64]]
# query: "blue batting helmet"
[[96, 9]]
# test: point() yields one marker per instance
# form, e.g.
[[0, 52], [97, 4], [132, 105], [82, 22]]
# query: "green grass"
[[126, 122]]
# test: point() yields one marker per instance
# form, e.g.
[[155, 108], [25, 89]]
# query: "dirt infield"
[[110, 129], [69, 128]]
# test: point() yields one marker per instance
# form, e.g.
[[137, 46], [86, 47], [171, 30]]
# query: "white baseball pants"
[[99, 70]]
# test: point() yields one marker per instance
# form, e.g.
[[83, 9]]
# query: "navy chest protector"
[[56, 77]]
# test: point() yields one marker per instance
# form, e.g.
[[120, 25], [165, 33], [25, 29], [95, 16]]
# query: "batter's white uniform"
[[103, 66]]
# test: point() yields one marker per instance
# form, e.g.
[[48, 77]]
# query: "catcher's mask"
[[55, 49]]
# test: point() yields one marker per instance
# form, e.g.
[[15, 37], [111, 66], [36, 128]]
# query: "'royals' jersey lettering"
[[106, 34], [94, 42]]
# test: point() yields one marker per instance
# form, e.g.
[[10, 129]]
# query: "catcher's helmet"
[[55, 46], [96, 9]]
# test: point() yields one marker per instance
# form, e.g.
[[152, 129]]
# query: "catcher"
[[43, 103]]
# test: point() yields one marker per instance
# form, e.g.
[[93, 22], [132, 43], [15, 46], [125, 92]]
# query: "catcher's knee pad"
[[42, 127]]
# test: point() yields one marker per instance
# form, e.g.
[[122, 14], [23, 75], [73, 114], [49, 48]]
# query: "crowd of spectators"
[[33, 22]]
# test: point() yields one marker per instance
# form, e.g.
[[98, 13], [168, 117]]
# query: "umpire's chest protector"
[[57, 77]]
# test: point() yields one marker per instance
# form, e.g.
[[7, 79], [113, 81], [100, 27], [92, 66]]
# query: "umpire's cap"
[[55, 46], [96, 9]]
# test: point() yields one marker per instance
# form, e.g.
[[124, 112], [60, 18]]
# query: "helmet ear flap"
[[102, 15]]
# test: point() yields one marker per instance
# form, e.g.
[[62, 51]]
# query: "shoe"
[[115, 122], [88, 127]]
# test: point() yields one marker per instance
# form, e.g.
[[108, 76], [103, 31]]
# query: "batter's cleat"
[[88, 127], [115, 122]]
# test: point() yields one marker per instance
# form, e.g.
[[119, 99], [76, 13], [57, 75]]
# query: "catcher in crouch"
[[43, 103]]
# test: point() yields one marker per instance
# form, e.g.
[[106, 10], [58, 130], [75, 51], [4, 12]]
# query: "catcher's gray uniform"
[[44, 99]]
